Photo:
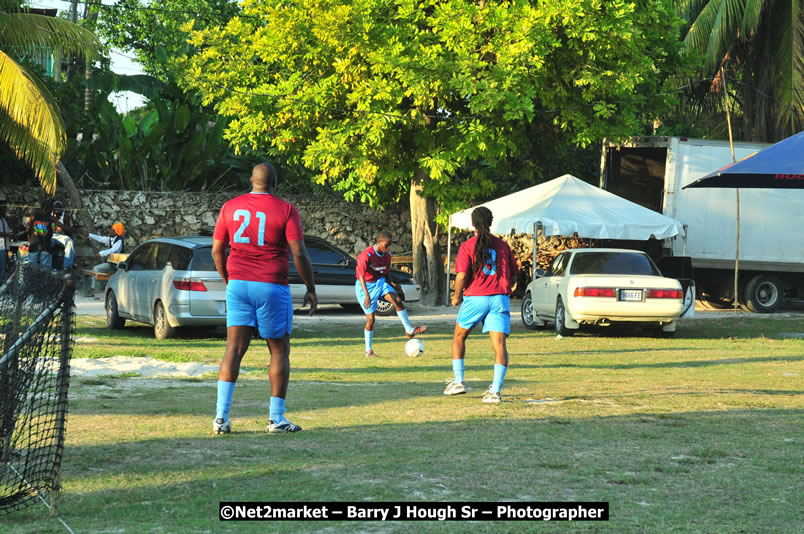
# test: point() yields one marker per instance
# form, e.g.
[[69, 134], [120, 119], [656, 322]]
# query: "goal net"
[[36, 336]]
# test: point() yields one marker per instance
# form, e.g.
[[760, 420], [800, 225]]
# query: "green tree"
[[30, 122], [760, 44], [154, 32], [429, 98]]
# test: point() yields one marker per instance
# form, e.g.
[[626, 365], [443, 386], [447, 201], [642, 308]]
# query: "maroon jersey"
[[497, 274], [372, 265], [258, 227]]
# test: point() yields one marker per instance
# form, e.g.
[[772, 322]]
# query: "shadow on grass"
[[655, 470]]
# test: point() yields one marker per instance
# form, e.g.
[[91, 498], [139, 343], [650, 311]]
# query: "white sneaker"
[[453, 387], [219, 426], [492, 397], [282, 428]]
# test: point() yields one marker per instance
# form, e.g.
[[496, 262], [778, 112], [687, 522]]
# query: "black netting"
[[36, 336]]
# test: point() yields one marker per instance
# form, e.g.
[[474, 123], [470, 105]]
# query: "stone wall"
[[350, 226]]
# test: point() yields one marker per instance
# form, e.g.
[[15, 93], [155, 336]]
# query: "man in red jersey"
[[374, 283], [486, 271], [259, 227]]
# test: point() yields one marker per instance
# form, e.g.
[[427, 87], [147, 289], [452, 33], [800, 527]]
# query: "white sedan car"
[[603, 286]]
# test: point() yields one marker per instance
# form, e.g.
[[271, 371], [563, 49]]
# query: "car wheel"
[[162, 328], [763, 293], [529, 318], [113, 319], [561, 328], [386, 308]]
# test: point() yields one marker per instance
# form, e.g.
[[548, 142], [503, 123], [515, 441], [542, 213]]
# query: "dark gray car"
[[172, 282]]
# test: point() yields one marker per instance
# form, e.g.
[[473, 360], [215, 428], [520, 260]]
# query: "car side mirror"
[[539, 273], [122, 266]]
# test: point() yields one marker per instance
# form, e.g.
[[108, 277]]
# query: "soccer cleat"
[[370, 354], [492, 397], [219, 426], [282, 428], [417, 330], [454, 388]]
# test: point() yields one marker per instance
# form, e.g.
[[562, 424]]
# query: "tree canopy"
[[367, 92], [30, 123], [428, 97], [761, 45]]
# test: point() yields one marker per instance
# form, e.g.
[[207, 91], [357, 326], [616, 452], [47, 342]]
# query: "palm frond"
[[751, 17], [787, 66], [30, 122], [28, 30]]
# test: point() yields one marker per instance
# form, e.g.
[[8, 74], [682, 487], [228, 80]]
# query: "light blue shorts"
[[493, 310], [269, 307], [377, 290]]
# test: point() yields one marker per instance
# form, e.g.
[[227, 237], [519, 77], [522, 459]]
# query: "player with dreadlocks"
[[486, 270]]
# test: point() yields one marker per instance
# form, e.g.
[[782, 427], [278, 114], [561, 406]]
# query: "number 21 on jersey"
[[245, 215]]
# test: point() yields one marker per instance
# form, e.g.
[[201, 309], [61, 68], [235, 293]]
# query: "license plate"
[[631, 294]]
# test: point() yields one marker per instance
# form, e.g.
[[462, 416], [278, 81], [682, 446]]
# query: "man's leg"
[[402, 313], [498, 325], [237, 342], [368, 335], [279, 373], [456, 385], [500, 359]]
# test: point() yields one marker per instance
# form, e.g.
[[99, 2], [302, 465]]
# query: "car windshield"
[[613, 263]]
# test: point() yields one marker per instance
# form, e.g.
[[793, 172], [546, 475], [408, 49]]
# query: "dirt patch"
[[143, 367]]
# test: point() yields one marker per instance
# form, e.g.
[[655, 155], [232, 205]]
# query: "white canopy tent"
[[567, 205]]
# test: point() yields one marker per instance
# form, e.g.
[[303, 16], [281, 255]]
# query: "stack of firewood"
[[550, 246]]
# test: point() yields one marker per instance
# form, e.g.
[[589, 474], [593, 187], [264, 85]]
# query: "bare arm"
[[366, 298], [460, 283], [305, 269], [219, 257]]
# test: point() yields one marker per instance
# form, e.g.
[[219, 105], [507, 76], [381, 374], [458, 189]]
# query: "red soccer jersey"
[[258, 227], [372, 265], [496, 276]]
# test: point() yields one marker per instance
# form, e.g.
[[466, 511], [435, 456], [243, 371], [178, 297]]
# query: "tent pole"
[[449, 262], [536, 226], [684, 248], [733, 159]]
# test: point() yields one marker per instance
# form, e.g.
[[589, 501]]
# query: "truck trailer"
[[652, 171]]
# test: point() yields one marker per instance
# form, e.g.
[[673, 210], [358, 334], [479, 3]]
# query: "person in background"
[[114, 242], [40, 233], [5, 241], [62, 230]]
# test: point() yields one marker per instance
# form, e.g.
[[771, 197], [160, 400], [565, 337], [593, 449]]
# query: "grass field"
[[701, 433]]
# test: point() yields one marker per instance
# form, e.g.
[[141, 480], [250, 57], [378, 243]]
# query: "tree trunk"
[[75, 196], [428, 266]]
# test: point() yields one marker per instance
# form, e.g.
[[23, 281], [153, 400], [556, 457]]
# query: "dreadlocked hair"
[[481, 220]]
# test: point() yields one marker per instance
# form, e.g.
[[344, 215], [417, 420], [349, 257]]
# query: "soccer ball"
[[414, 347]]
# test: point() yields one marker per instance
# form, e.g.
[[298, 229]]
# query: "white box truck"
[[652, 171]]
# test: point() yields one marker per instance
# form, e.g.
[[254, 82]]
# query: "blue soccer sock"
[[368, 335], [457, 369], [403, 316], [499, 377], [225, 392], [277, 409]]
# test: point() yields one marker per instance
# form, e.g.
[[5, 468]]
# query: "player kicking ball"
[[374, 284], [486, 271]]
